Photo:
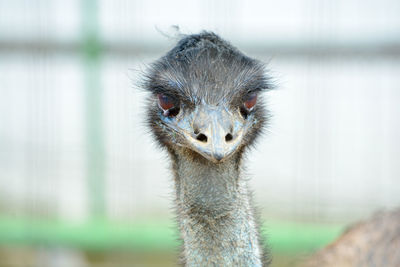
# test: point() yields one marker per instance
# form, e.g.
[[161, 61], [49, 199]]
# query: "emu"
[[206, 109]]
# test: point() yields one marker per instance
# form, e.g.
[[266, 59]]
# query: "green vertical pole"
[[91, 49]]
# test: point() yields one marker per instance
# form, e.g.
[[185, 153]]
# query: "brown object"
[[375, 242]]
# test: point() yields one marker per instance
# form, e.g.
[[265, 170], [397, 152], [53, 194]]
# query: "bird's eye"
[[248, 105], [167, 104], [250, 101]]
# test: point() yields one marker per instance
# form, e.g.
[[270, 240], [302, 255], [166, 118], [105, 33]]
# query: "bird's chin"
[[217, 159], [206, 157]]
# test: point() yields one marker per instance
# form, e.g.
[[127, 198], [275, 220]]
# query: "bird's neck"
[[215, 215]]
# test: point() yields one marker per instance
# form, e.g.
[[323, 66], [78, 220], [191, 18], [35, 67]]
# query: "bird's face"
[[213, 131], [207, 104]]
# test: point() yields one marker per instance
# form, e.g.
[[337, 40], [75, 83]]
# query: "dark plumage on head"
[[205, 97]]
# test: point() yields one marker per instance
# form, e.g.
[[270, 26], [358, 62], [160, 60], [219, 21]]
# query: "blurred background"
[[81, 182]]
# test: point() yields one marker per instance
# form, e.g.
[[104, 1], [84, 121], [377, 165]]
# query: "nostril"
[[228, 137], [202, 138]]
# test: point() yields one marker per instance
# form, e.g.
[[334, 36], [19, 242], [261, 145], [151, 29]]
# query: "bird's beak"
[[215, 133]]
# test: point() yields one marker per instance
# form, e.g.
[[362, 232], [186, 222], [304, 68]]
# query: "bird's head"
[[205, 97]]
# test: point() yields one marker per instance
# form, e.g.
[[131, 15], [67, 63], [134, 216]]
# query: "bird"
[[206, 108]]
